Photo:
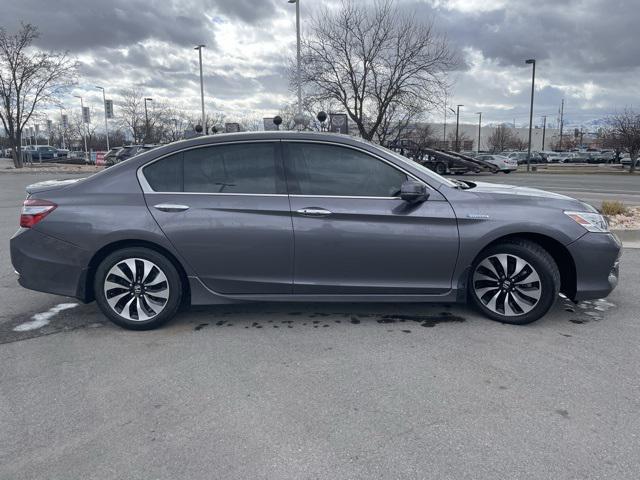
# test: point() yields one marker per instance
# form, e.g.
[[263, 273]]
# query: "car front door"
[[352, 232], [226, 211]]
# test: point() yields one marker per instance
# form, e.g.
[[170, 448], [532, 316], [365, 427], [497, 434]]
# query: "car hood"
[[523, 193]]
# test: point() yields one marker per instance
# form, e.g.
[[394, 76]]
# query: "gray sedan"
[[287, 216]]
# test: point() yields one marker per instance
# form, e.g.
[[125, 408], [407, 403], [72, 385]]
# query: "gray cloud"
[[587, 50]]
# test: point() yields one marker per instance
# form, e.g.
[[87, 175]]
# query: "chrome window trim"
[[146, 188]]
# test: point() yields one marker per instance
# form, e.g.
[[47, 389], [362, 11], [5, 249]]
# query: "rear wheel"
[[514, 282], [440, 168], [137, 288]]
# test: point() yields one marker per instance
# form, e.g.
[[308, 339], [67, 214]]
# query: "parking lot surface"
[[591, 188], [296, 391]]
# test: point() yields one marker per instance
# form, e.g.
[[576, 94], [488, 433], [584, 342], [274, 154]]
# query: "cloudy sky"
[[588, 51]]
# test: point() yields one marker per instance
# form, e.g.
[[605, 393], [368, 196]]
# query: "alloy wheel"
[[507, 284], [136, 289]]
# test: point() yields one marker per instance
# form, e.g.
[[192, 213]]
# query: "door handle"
[[171, 207], [313, 212]]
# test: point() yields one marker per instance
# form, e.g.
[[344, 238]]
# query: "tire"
[[507, 171], [440, 168], [530, 287], [138, 288]]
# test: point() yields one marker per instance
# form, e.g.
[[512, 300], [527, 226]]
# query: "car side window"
[[239, 168], [331, 170]]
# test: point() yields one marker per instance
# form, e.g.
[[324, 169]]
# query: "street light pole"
[[62, 127], [199, 48], [297, 2], [84, 133], [479, 128], [531, 61], [106, 125], [146, 119], [544, 129], [458, 126]]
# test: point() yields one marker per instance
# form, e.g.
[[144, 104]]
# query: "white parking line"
[[39, 320]]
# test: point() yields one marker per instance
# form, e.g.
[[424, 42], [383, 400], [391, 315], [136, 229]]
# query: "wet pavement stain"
[[563, 413], [201, 326], [355, 320]]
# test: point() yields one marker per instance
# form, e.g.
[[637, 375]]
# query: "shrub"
[[613, 207]]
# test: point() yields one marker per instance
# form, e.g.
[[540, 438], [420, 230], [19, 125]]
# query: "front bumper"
[[49, 265], [597, 261]]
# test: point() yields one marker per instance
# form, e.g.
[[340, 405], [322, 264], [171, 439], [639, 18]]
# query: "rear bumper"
[[49, 265], [597, 257]]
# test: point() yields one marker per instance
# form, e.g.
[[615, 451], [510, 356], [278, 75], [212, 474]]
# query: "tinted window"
[[239, 168], [318, 169], [165, 175]]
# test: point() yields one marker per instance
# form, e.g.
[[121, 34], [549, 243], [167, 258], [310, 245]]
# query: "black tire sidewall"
[[549, 282], [170, 271]]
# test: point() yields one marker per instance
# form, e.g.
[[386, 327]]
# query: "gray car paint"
[[372, 250]]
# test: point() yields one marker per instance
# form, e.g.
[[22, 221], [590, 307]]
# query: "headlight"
[[594, 222]]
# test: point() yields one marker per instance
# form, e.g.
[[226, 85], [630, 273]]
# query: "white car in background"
[[505, 164]]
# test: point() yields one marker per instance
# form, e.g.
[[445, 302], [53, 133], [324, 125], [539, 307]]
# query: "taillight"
[[34, 210]]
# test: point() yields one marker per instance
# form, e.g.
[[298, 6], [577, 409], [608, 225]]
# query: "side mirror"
[[413, 192]]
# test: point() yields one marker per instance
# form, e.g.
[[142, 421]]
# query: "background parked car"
[[129, 151], [626, 160], [41, 152], [521, 157], [504, 163], [110, 157]]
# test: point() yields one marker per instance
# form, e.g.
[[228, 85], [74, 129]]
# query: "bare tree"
[[462, 138], [28, 79], [625, 129], [132, 116], [502, 138], [369, 58]]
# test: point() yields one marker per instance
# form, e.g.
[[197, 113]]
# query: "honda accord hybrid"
[[304, 217]]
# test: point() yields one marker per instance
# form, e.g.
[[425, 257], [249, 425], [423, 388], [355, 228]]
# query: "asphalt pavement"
[[590, 188], [317, 391]]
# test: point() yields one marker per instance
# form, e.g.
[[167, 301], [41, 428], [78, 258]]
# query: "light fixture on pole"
[[199, 48], [479, 128], [106, 125], [299, 119], [458, 126], [146, 119], [84, 134], [531, 61]]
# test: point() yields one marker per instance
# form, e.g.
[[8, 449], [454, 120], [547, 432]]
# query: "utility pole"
[[479, 128], [199, 48], [531, 61], [544, 129], [458, 127], [299, 119], [444, 125], [561, 121], [106, 125], [146, 119], [62, 129]]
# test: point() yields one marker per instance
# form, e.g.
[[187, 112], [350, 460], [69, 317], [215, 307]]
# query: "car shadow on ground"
[[400, 317]]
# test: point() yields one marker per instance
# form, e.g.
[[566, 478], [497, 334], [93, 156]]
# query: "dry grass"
[[613, 207]]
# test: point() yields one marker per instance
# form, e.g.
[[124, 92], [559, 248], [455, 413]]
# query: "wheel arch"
[[102, 253], [559, 253]]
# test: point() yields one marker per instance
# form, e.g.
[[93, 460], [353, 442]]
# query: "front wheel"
[[138, 288], [514, 282]]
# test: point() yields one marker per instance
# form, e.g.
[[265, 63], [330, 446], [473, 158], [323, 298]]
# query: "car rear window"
[[251, 168]]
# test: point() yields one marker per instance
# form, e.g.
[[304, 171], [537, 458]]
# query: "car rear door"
[[225, 209], [354, 235]]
